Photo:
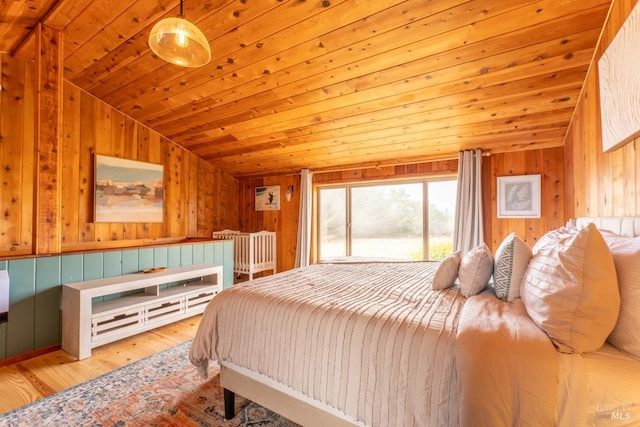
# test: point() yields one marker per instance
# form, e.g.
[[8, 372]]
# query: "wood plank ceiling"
[[331, 84]]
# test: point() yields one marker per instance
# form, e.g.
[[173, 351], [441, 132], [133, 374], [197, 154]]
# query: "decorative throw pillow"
[[551, 237], [509, 265], [475, 270], [570, 289], [626, 256], [447, 272]]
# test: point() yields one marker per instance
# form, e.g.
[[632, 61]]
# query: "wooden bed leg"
[[229, 404]]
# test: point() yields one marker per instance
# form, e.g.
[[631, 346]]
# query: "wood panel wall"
[[548, 162], [600, 184], [284, 221], [17, 159], [198, 197]]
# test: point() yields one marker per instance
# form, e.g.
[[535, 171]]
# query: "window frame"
[[348, 186]]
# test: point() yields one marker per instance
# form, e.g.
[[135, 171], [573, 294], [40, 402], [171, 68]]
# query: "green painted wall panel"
[[218, 253], [209, 253], [72, 270], [130, 260], [173, 257], [186, 255], [198, 254], [3, 341], [47, 302], [21, 325], [3, 326], [92, 266], [145, 258], [228, 263], [160, 257], [112, 264]]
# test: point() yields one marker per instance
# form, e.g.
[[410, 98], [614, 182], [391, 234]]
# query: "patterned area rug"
[[161, 390]]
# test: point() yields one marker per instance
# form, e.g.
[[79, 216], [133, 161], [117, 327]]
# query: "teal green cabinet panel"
[[186, 255], [228, 263], [72, 270], [112, 264], [198, 254], [130, 261], [145, 258], [47, 302], [93, 266], [160, 257], [22, 291]]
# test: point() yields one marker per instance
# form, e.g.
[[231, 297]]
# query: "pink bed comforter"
[[507, 367], [378, 344]]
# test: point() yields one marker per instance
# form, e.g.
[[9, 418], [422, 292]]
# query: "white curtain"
[[303, 247], [467, 232]]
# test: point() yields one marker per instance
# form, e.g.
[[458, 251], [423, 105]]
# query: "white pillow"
[[551, 237], [626, 256], [475, 270], [447, 272], [570, 289], [509, 265]]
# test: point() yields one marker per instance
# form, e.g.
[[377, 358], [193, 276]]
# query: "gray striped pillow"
[[510, 263]]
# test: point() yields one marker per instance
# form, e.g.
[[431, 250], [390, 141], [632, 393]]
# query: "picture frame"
[[128, 190], [268, 198], [619, 84], [519, 196]]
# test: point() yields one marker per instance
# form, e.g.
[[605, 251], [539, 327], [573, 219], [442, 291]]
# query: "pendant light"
[[180, 42]]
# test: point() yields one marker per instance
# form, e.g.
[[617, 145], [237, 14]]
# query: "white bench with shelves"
[[87, 323]]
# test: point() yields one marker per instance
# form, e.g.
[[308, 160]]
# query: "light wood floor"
[[32, 379]]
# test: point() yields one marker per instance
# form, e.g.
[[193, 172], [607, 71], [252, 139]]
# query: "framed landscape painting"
[[128, 190]]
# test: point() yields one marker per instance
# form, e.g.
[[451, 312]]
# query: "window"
[[387, 220]]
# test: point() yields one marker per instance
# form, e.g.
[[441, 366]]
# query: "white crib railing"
[[253, 252]]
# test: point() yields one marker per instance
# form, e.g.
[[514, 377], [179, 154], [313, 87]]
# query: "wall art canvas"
[[519, 196], [128, 190], [268, 198], [619, 83]]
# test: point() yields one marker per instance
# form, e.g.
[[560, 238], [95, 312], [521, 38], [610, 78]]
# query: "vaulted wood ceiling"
[[331, 84]]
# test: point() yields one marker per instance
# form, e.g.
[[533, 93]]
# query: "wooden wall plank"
[[130, 151], [84, 187], [16, 157], [70, 161], [600, 183], [47, 237], [103, 147]]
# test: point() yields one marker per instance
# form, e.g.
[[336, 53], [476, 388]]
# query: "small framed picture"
[[519, 196], [268, 198]]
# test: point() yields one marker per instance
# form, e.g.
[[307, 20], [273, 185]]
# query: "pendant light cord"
[[181, 8]]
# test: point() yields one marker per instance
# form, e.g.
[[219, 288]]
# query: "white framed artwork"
[[619, 83], [519, 196]]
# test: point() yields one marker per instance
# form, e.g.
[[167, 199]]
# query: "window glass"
[[332, 222], [387, 221], [442, 206], [396, 220]]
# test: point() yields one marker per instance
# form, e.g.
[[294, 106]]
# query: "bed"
[[373, 344]]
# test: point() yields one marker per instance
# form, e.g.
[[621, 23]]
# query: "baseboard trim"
[[21, 357]]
